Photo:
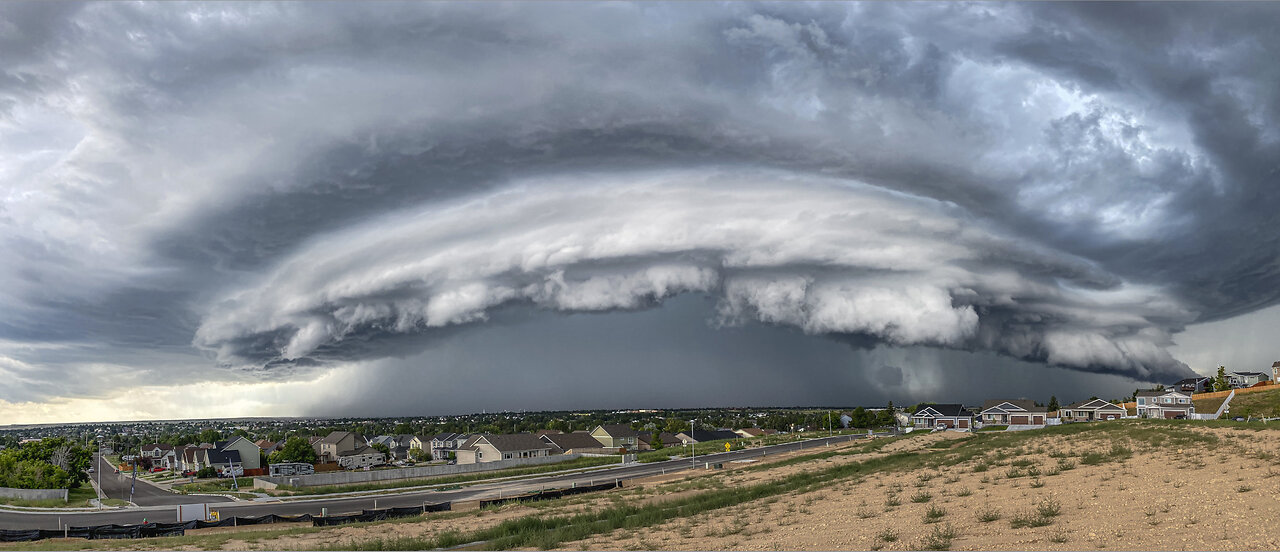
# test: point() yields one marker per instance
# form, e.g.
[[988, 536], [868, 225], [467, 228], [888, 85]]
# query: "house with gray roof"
[[494, 448]]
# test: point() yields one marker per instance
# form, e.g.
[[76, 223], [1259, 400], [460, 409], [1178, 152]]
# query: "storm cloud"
[[272, 192]]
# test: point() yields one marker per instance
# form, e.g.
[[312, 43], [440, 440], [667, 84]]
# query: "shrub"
[[1049, 508], [921, 497], [888, 535], [940, 538], [988, 515], [934, 514]]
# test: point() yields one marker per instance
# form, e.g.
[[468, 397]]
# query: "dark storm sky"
[[404, 208]]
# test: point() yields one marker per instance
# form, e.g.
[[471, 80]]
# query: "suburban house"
[[192, 458], [445, 445], [336, 444], [1275, 371], [248, 454], [494, 448], [158, 455], [221, 460], [617, 436], [363, 457], [1164, 404], [1012, 412], [269, 446], [1093, 409], [1247, 379], [398, 445], [667, 439], [1193, 385], [702, 436], [950, 416], [755, 432], [568, 443]]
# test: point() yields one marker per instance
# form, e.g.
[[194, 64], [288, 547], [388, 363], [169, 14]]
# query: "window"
[[1182, 401], [1142, 400]]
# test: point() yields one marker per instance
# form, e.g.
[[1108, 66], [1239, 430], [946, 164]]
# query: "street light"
[[693, 445]]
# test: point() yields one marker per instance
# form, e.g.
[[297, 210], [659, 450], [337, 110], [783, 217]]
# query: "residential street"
[[145, 493], [158, 498]]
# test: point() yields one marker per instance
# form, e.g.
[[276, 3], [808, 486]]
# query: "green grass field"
[[577, 463], [1257, 404]]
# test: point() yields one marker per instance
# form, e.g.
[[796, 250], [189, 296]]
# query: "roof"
[[1150, 393], [1025, 404], [701, 435], [619, 430], [1249, 373], [752, 431], [566, 441], [360, 451], [515, 442], [217, 456], [1095, 404], [1276, 364], [1190, 381], [947, 410], [335, 437], [160, 446], [444, 436], [265, 444]]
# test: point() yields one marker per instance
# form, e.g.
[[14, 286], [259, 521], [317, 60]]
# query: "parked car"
[[189, 473], [157, 470], [1238, 418], [90, 470]]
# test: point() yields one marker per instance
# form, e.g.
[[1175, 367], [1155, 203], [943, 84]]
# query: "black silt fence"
[[549, 494], [381, 514]]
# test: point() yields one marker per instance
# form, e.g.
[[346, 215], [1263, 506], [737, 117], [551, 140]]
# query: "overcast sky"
[[232, 209]]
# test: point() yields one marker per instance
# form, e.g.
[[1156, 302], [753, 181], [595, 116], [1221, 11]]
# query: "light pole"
[[99, 469], [693, 445]]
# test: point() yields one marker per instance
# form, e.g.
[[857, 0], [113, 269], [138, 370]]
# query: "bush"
[[206, 472]]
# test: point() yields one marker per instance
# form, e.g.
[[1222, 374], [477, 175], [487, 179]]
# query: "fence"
[[149, 530], [34, 494], [550, 494], [355, 477]]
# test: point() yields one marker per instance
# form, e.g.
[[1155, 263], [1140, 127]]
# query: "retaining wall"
[[373, 476], [34, 494]]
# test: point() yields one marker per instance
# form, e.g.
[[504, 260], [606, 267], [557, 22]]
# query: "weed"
[[1029, 519], [892, 501], [940, 538], [888, 535], [980, 467], [921, 497], [1036, 483], [1049, 508], [964, 491], [934, 514], [1059, 536], [988, 515], [1243, 489]]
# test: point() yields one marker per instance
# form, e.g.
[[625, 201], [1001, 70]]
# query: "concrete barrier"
[[34, 494], [374, 476]]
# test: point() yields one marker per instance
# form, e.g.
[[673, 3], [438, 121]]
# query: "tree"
[[419, 455], [210, 436], [296, 449], [384, 449], [207, 472], [1053, 403], [676, 425], [403, 428], [1221, 383], [655, 442]]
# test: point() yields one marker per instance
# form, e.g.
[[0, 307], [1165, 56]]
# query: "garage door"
[[1015, 419], [1171, 413], [1039, 420], [964, 423]]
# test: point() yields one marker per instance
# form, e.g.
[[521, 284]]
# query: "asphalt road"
[[116, 485], [29, 520]]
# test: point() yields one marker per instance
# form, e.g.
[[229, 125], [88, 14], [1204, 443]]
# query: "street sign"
[[129, 457]]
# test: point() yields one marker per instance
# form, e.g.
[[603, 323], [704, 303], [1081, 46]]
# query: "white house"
[[1246, 379], [1166, 404], [950, 416]]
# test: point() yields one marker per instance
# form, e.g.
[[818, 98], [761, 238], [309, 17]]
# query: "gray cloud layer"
[[286, 186]]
